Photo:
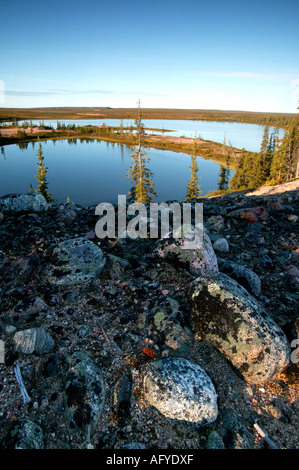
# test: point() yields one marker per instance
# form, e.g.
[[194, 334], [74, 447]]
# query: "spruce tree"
[[193, 188], [265, 141], [285, 163], [142, 190], [42, 176]]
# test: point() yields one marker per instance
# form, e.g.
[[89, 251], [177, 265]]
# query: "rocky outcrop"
[[236, 324], [119, 347]]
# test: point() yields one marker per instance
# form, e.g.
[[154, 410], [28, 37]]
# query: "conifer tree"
[[142, 190], [222, 178], [265, 141], [224, 175], [193, 188], [285, 163], [42, 176], [238, 180]]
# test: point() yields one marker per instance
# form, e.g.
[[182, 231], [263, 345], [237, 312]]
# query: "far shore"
[[263, 118]]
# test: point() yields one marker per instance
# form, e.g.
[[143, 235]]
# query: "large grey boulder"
[[84, 392], [235, 323], [181, 390], [31, 202], [75, 261]]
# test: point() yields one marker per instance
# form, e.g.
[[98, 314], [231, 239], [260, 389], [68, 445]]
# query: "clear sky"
[[233, 54]]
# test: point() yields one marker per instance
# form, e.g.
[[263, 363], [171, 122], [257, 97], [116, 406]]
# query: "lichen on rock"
[[76, 261], [234, 322]]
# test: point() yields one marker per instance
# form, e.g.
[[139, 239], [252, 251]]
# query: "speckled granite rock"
[[181, 390]]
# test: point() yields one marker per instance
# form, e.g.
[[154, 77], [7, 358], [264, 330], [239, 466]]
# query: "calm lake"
[[93, 172]]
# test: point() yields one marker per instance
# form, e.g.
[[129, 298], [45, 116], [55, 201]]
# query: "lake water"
[[93, 172]]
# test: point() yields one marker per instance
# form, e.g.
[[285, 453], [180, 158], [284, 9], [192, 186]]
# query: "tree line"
[[276, 163]]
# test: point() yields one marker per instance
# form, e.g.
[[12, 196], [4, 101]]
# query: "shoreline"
[[205, 148]]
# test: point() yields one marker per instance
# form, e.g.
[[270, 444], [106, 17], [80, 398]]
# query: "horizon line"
[[56, 108]]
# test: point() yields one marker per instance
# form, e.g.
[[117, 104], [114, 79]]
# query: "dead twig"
[[25, 395], [265, 436]]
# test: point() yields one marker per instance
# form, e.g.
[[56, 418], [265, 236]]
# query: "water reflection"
[[91, 171]]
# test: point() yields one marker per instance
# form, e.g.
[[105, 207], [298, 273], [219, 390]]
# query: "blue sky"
[[240, 55]]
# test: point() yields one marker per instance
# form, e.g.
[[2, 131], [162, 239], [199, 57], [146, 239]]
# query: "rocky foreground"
[[140, 344]]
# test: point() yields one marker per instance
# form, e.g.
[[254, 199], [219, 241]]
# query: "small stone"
[[116, 266], [10, 330], [167, 325], [83, 330], [292, 217], [122, 398], [235, 432], [215, 441], [251, 215], [221, 245], [33, 340], [216, 223], [29, 308]]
